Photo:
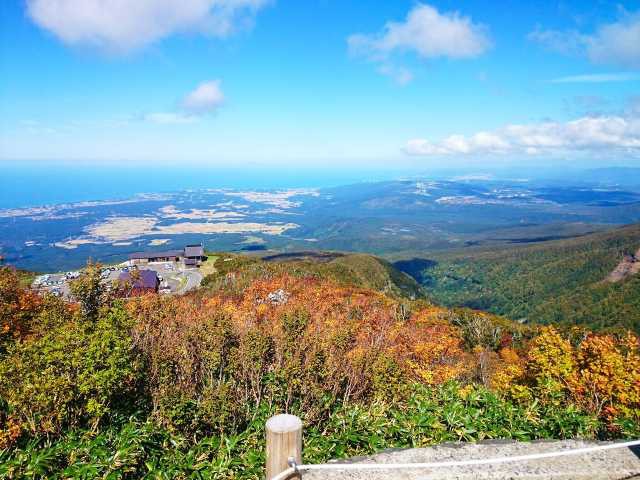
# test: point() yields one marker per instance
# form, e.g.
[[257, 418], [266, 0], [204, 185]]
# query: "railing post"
[[284, 441]]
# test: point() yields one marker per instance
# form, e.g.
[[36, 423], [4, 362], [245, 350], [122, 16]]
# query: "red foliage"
[[18, 306]]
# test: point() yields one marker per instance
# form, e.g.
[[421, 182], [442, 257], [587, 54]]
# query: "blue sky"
[[321, 82]]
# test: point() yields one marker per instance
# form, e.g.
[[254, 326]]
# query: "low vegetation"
[[551, 282], [180, 387]]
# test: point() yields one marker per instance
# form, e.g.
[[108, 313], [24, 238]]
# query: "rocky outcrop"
[[630, 265]]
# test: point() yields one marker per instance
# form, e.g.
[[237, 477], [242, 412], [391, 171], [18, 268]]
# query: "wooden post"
[[284, 441]]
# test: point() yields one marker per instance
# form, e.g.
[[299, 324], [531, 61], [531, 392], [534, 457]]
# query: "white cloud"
[[598, 78], [615, 43], [586, 134], [425, 32], [428, 33], [206, 98], [126, 25]]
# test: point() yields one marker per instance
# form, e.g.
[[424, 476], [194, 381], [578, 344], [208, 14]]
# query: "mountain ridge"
[[555, 281]]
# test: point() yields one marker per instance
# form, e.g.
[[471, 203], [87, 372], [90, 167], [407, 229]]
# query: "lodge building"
[[141, 283], [191, 255]]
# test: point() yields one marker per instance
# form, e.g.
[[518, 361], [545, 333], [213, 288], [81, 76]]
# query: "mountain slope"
[[166, 379], [365, 271], [556, 281]]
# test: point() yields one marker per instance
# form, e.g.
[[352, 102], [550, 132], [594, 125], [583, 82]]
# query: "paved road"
[[194, 277], [179, 279]]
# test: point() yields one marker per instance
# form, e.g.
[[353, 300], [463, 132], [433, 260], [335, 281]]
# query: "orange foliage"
[[431, 348], [292, 341], [18, 306], [510, 370]]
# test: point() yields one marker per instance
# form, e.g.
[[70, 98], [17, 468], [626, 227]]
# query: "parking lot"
[[174, 278], [55, 283]]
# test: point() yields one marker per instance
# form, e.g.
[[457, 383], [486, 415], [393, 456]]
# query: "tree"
[[89, 291], [18, 306]]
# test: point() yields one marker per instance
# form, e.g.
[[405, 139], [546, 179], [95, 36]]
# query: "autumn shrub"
[[201, 373], [431, 348], [90, 293], [314, 344], [18, 307], [599, 374], [607, 380], [74, 374], [551, 364]]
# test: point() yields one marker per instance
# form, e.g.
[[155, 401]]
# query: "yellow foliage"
[[601, 374], [466, 390], [608, 379], [509, 373], [551, 362]]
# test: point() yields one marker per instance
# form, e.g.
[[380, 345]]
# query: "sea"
[[39, 183], [29, 184]]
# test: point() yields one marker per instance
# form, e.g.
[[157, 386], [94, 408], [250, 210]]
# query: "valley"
[[590, 280]]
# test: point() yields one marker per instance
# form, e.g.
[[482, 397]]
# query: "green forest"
[[559, 281]]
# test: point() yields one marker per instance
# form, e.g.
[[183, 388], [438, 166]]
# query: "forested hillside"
[[165, 387], [366, 271], [558, 281]]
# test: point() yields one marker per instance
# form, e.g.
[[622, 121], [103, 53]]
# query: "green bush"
[[141, 449], [71, 375]]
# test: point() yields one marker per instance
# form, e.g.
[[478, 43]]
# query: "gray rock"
[[279, 297]]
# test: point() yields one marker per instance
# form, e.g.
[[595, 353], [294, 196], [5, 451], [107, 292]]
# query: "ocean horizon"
[[34, 184]]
